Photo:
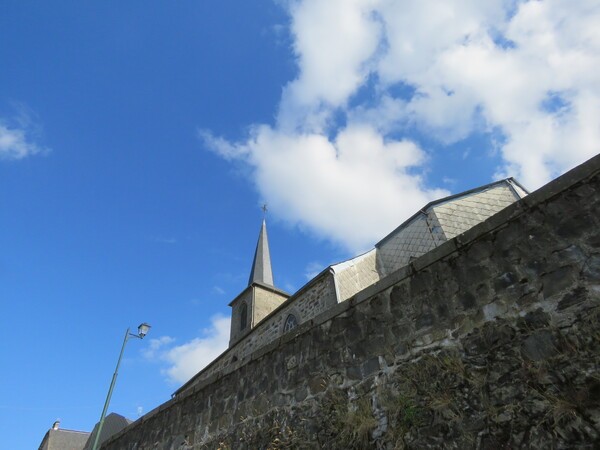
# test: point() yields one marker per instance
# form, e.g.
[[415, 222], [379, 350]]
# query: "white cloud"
[[18, 135], [154, 345], [333, 42], [350, 190], [188, 359], [502, 62], [16, 144], [335, 159]]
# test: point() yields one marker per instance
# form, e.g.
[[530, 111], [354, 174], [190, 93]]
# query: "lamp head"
[[143, 330]]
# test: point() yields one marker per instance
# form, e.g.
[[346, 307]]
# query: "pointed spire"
[[261, 266]]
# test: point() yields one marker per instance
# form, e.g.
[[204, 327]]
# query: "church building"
[[262, 313]]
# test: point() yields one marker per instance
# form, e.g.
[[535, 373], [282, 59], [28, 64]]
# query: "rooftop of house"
[[63, 439]]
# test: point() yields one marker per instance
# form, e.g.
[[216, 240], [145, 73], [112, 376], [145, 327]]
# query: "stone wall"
[[265, 301], [489, 341], [237, 331]]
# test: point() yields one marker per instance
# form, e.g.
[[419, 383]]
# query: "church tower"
[[260, 297]]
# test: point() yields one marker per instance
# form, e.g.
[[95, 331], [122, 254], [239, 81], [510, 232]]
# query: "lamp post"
[[142, 331]]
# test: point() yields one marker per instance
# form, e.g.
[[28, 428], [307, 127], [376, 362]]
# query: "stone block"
[[300, 394], [291, 362], [557, 281], [379, 305], [467, 300], [402, 330], [317, 384], [427, 319], [340, 324], [575, 225], [370, 366], [534, 320], [539, 346], [572, 298], [591, 269], [354, 373], [420, 282], [398, 298]]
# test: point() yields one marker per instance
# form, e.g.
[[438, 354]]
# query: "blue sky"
[[138, 141]]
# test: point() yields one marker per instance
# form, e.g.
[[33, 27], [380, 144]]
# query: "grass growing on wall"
[[520, 383]]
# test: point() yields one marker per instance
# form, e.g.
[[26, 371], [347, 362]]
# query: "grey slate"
[[261, 266], [64, 440], [113, 423]]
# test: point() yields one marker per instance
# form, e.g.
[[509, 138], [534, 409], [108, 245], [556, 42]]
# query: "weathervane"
[[265, 209]]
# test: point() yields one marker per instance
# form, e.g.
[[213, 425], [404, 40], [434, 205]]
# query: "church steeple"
[[260, 297], [261, 266]]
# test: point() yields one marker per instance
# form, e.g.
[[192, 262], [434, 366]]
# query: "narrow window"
[[290, 323], [243, 316]]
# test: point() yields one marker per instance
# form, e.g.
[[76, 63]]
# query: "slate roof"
[[261, 265], [516, 188], [113, 423], [62, 439], [442, 220]]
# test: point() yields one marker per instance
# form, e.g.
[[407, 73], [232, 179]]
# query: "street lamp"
[[142, 331]]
